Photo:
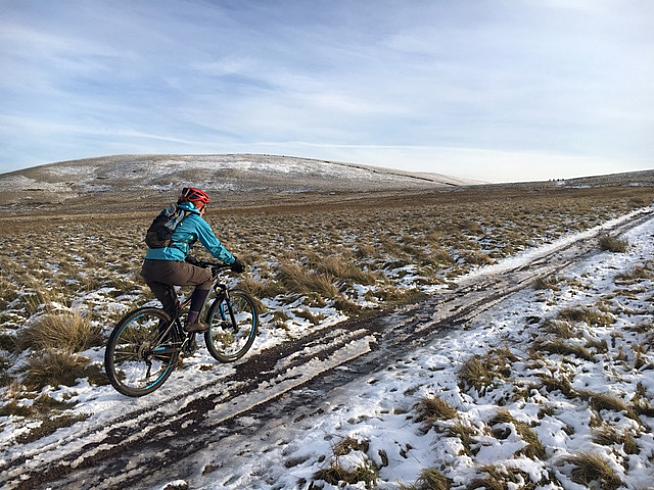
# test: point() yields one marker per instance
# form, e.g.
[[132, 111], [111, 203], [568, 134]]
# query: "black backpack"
[[161, 230]]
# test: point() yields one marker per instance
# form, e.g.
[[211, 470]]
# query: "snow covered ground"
[[553, 388], [556, 372]]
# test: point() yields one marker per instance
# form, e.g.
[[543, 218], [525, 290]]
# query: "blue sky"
[[492, 90]]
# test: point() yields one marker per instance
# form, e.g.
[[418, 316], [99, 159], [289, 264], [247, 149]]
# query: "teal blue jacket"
[[192, 228]]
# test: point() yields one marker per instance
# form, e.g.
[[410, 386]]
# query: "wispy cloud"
[[534, 88]]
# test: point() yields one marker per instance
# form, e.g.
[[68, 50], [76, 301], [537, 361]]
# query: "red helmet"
[[196, 196]]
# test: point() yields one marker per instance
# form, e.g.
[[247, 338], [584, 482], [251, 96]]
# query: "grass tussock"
[[308, 315], [349, 444], [343, 269], [69, 331], [534, 447], [465, 434], [644, 407], [366, 473], [7, 342], [560, 328], [600, 346], [565, 349], [502, 478], [612, 244], [590, 316], [261, 289], [640, 272], [430, 479], [593, 470], [280, 318], [55, 368], [479, 372], [475, 257], [346, 306], [608, 436], [298, 279], [547, 282], [15, 409], [606, 401], [558, 383], [432, 409], [335, 474], [5, 379]]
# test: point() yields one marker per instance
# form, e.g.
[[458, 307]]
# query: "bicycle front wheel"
[[233, 325], [139, 358]]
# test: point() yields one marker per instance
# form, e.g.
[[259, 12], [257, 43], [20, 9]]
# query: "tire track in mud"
[[135, 449]]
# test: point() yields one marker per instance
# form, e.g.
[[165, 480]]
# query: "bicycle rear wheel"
[[229, 340], [137, 359]]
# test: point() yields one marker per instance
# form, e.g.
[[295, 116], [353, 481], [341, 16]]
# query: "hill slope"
[[227, 172]]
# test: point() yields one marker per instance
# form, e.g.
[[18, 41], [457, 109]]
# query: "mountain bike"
[[146, 344]]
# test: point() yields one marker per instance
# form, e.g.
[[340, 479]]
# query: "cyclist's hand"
[[237, 266], [191, 260]]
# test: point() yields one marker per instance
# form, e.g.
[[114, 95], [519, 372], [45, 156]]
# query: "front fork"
[[231, 312]]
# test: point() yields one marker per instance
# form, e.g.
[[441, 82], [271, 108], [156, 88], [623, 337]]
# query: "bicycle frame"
[[175, 322], [222, 294]]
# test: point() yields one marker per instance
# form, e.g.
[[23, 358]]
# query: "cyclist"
[[167, 266]]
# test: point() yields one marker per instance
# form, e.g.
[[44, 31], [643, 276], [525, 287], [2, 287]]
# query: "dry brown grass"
[[480, 372], [307, 315], [560, 328], [335, 474], [639, 272], [430, 479], [606, 401], [55, 368], [61, 330], [298, 279], [341, 268], [609, 436], [502, 478], [465, 434], [280, 318], [534, 448], [349, 444], [588, 315], [592, 469], [564, 348], [260, 289], [561, 383], [612, 244], [432, 409], [548, 282]]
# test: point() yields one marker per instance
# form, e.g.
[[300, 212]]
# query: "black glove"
[[237, 266], [192, 260]]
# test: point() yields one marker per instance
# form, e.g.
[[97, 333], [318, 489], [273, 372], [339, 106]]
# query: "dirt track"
[[135, 448]]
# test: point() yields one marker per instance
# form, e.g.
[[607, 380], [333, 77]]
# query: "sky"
[[490, 90]]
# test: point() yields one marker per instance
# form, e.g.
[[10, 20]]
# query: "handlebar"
[[215, 266]]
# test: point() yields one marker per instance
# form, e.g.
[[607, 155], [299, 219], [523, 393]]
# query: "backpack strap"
[[171, 243]]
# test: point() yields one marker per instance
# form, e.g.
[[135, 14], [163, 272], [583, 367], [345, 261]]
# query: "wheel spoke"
[[132, 364], [227, 340]]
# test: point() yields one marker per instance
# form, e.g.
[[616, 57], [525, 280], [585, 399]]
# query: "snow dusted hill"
[[242, 172], [643, 178]]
